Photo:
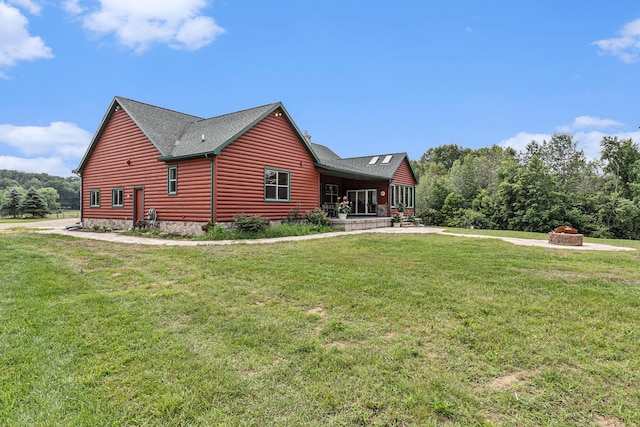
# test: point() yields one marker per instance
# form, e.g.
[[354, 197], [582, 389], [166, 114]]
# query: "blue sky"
[[362, 77]]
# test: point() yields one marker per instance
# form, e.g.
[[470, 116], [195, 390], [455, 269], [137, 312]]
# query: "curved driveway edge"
[[58, 227]]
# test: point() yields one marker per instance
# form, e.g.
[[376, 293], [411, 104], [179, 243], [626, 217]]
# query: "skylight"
[[374, 160], [387, 159]]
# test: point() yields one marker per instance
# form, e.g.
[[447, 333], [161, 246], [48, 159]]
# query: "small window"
[[330, 193], [94, 198], [387, 159], [374, 160], [172, 180], [276, 185], [117, 197]]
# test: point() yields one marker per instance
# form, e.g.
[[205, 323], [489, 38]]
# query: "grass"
[[540, 236], [369, 330], [55, 215]]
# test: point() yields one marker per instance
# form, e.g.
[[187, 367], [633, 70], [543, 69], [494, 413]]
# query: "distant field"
[[56, 215], [367, 330]]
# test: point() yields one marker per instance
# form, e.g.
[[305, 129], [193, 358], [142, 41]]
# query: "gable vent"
[[374, 160], [387, 159]]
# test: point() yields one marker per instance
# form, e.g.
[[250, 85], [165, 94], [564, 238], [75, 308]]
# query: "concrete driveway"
[[58, 227]]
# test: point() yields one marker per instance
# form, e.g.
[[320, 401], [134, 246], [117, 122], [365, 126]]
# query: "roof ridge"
[[374, 155], [243, 110], [158, 107]]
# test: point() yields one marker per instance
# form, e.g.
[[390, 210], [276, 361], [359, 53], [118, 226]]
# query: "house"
[[188, 171]]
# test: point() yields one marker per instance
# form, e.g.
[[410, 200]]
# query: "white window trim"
[[276, 185], [94, 198]]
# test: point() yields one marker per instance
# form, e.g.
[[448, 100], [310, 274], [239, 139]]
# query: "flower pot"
[[397, 224], [342, 216], [401, 215]]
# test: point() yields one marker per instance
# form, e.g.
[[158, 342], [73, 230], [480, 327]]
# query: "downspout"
[[81, 191], [211, 215]]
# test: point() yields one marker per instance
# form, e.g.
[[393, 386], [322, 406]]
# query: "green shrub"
[[294, 216], [318, 217], [253, 224]]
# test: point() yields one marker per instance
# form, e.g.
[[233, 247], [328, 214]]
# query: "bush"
[[471, 218], [318, 217], [253, 224], [294, 216], [430, 216]]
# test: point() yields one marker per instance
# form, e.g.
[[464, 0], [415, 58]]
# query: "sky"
[[362, 77]]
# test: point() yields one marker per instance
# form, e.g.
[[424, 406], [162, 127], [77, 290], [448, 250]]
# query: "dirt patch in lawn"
[[510, 380]]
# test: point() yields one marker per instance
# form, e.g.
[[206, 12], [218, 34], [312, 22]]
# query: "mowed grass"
[[368, 330]]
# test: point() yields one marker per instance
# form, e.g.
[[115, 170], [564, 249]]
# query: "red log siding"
[[403, 175], [107, 168], [239, 172]]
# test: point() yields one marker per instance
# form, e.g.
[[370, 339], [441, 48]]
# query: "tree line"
[[20, 191], [549, 184]]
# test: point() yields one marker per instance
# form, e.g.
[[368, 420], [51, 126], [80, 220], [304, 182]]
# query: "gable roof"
[[177, 135], [163, 127], [362, 165]]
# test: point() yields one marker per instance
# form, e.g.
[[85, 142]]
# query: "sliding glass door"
[[363, 202]]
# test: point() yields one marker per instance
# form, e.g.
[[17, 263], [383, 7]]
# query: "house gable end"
[[211, 136], [159, 125]]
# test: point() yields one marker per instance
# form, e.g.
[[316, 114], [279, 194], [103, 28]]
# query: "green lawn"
[[367, 330], [54, 215]]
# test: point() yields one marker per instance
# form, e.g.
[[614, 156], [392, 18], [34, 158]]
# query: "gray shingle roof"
[[360, 165], [163, 127], [324, 153], [181, 135], [178, 135], [218, 131]]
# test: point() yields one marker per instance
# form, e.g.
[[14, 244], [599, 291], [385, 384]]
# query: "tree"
[[33, 204], [11, 207], [621, 159], [50, 196], [445, 154]]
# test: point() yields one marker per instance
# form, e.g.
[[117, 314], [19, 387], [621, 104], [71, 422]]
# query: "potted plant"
[[396, 219], [400, 207], [343, 208]]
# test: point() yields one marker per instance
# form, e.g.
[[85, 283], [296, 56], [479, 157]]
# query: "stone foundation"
[[181, 228], [566, 239]]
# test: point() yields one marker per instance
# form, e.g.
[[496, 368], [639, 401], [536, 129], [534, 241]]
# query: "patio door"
[[363, 202]]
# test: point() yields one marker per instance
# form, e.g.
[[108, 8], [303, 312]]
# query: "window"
[[373, 160], [364, 202], [276, 185], [172, 180], [330, 193], [94, 198], [117, 197], [387, 159], [402, 193]]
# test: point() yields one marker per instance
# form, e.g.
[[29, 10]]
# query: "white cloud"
[[585, 122], [139, 24], [16, 44], [51, 165], [587, 140], [519, 142], [27, 4], [59, 138], [73, 7], [626, 46]]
